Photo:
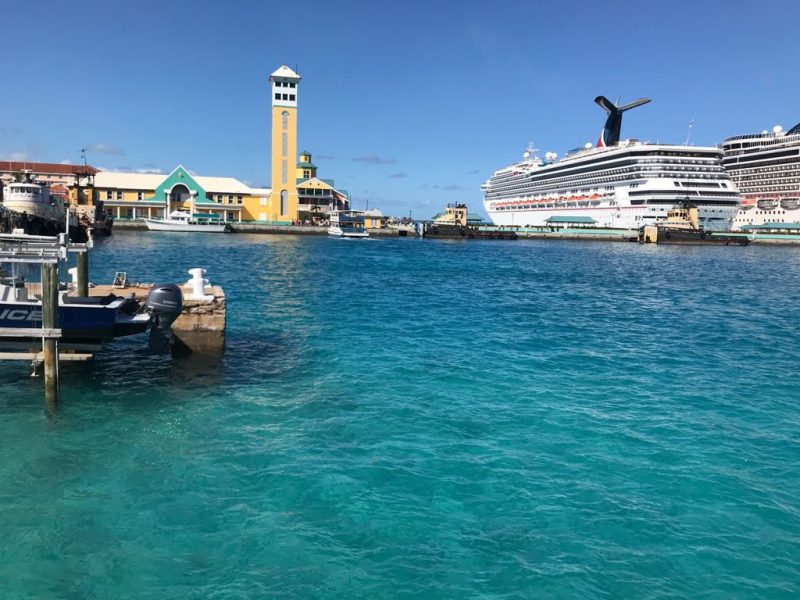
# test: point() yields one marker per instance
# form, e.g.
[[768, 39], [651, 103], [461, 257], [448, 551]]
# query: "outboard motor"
[[164, 303]]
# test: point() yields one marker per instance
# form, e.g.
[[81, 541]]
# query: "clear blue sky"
[[408, 105]]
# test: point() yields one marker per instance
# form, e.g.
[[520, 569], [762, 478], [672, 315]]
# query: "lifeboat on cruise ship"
[[790, 203], [767, 204], [747, 203]]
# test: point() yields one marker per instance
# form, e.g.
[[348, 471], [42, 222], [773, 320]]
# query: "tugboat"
[[28, 205], [682, 226], [453, 223]]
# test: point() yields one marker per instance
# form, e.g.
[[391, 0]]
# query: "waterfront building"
[[316, 196], [374, 219], [50, 173], [148, 195]]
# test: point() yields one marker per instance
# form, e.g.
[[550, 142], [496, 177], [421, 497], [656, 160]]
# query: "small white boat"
[[347, 223], [183, 221]]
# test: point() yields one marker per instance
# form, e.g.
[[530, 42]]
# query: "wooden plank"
[[30, 332], [39, 357]]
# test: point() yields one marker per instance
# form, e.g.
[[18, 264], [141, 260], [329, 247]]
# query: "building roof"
[[284, 72], [128, 181], [575, 219], [306, 165], [222, 184], [45, 168], [373, 212], [150, 181]]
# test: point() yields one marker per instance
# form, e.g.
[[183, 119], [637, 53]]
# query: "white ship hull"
[[339, 232], [52, 212], [167, 225], [606, 216]]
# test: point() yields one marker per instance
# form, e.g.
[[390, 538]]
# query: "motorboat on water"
[[179, 220], [348, 224], [85, 321]]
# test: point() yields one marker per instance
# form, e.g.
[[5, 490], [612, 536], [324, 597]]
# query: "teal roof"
[[328, 181], [773, 225], [575, 219], [474, 217], [306, 165]]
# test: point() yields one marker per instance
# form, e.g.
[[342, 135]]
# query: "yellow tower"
[[283, 201]]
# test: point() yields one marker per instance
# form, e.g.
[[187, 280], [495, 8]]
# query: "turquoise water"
[[423, 419]]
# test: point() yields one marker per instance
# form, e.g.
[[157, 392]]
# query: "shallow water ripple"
[[407, 418]]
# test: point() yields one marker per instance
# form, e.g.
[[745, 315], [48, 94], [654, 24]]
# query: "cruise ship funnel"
[[611, 132]]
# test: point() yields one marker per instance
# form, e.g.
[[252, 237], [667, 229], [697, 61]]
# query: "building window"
[[284, 171], [119, 194], [285, 119], [284, 198], [286, 96], [239, 199], [230, 199], [262, 202], [285, 145], [108, 195], [291, 97], [277, 96], [140, 196], [306, 174]]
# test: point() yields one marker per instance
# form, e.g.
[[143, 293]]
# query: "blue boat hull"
[[89, 324]]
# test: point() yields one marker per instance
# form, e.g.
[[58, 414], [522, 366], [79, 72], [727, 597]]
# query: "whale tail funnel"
[[610, 134]]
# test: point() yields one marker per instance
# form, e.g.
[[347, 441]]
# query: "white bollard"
[[198, 283]]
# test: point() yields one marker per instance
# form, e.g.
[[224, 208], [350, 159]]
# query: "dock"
[[201, 327]]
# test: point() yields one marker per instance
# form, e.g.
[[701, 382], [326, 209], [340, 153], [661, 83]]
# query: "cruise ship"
[[766, 168], [616, 183]]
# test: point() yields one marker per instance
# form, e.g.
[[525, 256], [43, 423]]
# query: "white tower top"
[[284, 87]]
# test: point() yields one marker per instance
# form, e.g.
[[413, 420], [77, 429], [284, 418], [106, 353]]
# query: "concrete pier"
[[201, 326]]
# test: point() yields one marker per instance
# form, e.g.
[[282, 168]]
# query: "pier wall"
[[264, 228]]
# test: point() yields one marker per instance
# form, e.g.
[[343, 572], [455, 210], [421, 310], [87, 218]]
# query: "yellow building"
[[147, 195], [283, 200]]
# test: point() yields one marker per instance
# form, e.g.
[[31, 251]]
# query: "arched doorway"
[[179, 194]]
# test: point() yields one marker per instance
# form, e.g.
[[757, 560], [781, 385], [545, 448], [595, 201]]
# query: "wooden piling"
[[52, 389], [83, 273]]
